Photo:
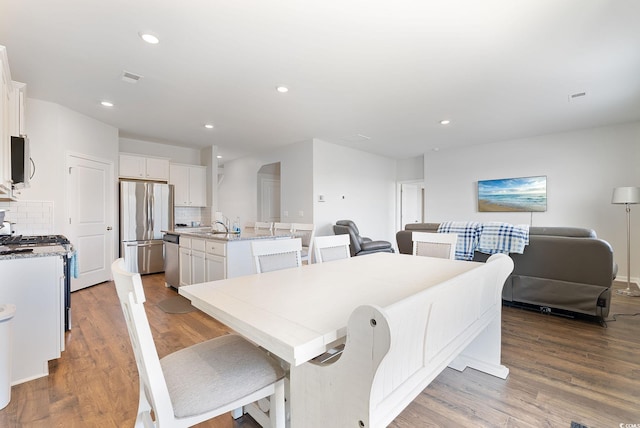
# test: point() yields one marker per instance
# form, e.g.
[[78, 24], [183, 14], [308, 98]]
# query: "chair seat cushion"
[[217, 372], [375, 245]]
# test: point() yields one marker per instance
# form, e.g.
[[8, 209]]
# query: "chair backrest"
[[354, 237], [350, 224], [306, 232], [263, 225], [276, 254], [131, 296], [441, 245], [328, 248], [282, 227]]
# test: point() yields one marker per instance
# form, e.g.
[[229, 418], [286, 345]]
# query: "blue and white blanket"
[[496, 237], [468, 235], [489, 238]]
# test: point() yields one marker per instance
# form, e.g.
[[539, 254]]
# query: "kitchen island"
[[34, 280], [210, 256]]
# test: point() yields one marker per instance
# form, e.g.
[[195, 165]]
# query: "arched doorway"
[[269, 193]]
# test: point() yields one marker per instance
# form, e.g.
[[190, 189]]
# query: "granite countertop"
[[231, 237], [38, 251]]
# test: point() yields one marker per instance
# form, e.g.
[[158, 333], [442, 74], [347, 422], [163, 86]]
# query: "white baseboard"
[[634, 280]]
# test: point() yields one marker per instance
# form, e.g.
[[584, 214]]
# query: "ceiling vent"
[[129, 77], [357, 138], [577, 96]]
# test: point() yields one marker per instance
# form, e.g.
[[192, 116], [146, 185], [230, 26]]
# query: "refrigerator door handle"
[[145, 213], [151, 211], [141, 245]]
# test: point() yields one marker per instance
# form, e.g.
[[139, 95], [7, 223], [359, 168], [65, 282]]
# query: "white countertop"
[[38, 251]]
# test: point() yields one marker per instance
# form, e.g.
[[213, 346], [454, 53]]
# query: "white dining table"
[[300, 313]]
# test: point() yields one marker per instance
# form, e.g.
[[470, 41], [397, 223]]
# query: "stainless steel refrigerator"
[[146, 209]]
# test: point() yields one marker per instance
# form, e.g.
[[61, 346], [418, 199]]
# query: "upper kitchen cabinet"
[[144, 168], [12, 102], [190, 185]]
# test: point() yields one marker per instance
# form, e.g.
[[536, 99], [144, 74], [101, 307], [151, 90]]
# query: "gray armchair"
[[360, 245]]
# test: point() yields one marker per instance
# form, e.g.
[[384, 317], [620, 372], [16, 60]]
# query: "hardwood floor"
[[562, 370]]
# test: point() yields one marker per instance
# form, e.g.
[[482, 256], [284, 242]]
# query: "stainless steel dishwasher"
[[171, 259]]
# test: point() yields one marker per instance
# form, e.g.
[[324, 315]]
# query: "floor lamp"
[[627, 196]]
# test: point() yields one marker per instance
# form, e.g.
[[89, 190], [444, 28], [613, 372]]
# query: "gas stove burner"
[[33, 240]]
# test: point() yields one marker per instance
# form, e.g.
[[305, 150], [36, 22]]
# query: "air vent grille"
[[129, 77]]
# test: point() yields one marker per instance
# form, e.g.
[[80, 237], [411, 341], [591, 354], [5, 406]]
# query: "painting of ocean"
[[524, 194]]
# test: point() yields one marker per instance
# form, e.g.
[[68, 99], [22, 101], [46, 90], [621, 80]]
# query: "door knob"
[[109, 228]]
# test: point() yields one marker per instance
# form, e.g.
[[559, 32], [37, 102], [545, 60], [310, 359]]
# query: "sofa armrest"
[[405, 243], [579, 260]]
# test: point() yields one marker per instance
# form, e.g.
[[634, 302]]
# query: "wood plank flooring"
[[562, 370]]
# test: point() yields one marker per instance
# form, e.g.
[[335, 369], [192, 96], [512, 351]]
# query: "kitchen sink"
[[213, 232]]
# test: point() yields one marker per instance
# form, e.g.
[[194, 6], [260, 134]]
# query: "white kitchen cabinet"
[[12, 103], [35, 285], [184, 260], [190, 185], [198, 264], [215, 260], [185, 266], [216, 267], [17, 114], [5, 154], [143, 168]]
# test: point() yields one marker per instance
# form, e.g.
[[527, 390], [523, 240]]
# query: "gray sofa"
[[566, 270]]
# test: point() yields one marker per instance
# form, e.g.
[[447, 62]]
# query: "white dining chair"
[[263, 225], [441, 245], [282, 227], [196, 383], [305, 232], [276, 254], [328, 248]]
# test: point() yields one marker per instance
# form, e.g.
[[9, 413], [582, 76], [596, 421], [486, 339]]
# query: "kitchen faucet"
[[226, 228]]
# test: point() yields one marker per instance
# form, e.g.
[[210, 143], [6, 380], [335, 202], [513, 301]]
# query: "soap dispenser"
[[236, 225]]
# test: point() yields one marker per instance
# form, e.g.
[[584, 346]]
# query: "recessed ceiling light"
[[445, 122], [208, 126], [282, 89], [219, 157], [149, 38], [107, 103]]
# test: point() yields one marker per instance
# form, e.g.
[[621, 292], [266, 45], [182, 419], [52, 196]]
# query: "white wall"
[[367, 183], [54, 131], [238, 193], [148, 148], [582, 168], [410, 169]]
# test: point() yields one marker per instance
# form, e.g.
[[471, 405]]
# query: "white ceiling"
[[387, 70]]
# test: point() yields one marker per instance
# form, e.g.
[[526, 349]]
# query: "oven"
[[14, 244]]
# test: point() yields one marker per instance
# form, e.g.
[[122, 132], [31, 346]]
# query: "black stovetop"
[[33, 240]]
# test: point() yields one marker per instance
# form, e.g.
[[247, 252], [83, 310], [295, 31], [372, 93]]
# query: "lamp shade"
[[626, 195]]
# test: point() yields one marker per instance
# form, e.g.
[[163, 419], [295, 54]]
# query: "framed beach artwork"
[[524, 194]]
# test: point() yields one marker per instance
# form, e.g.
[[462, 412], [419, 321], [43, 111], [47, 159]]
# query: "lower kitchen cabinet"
[[184, 259], [35, 285], [198, 268], [203, 260], [216, 267]]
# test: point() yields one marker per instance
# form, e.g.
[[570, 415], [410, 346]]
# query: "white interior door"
[[91, 218], [270, 209], [411, 203]]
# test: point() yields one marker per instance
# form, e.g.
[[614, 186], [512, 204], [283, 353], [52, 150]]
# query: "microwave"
[[20, 162]]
